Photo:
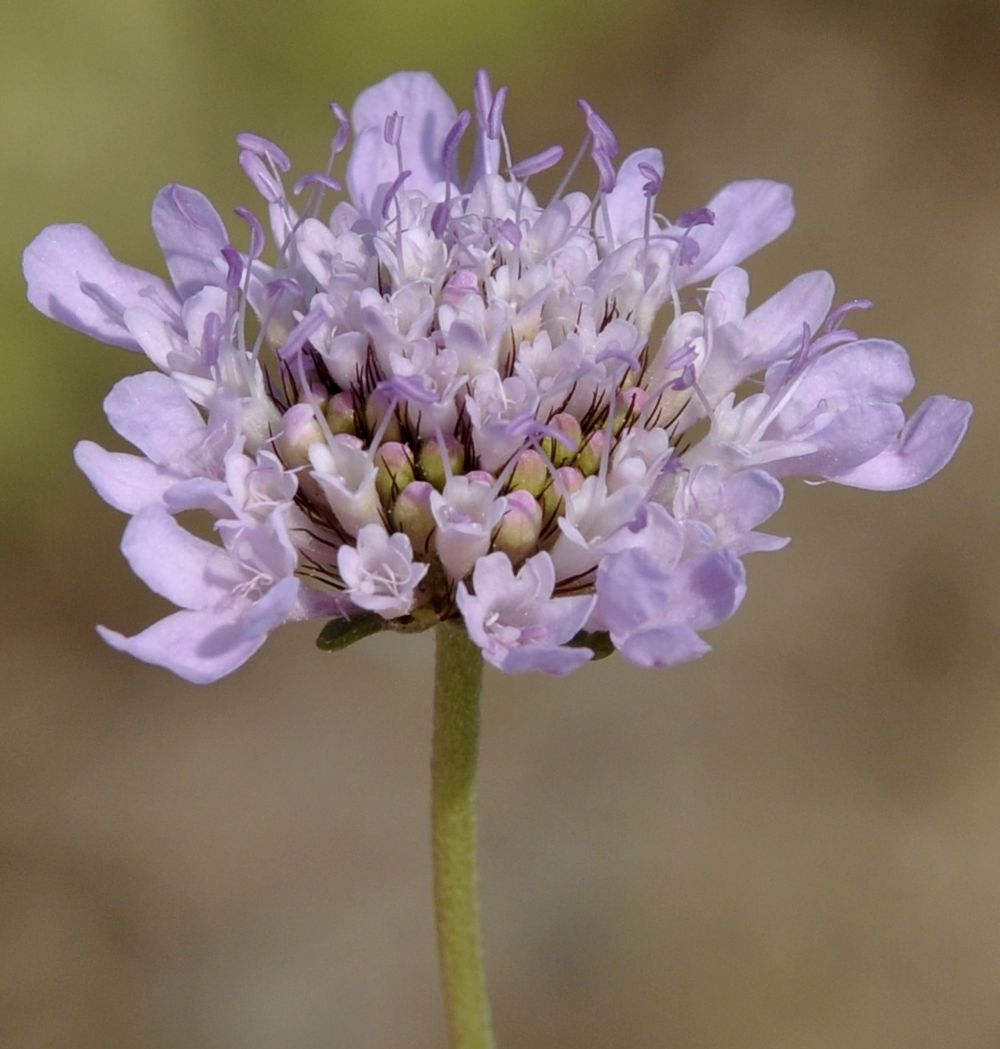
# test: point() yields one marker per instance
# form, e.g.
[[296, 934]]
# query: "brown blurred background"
[[793, 843]]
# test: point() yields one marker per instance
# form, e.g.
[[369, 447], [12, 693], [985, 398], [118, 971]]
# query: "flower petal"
[[924, 446], [152, 412], [192, 237], [748, 215], [173, 563], [128, 482], [200, 647], [427, 114], [73, 278]]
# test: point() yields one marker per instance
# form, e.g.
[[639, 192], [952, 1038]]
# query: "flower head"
[[439, 395]]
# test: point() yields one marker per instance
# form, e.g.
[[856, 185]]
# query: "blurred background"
[[793, 843]]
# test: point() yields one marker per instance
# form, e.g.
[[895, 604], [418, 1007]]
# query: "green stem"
[[458, 675]]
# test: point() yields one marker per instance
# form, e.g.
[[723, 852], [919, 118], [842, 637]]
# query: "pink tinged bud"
[[431, 460], [630, 405], [411, 513], [570, 480], [465, 513], [395, 470], [340, 413], [531, 473], [379, 402], [589, 459], [520, 527], [563, 451], [299, 432]]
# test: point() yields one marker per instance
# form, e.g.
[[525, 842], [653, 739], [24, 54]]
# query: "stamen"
[[494, 122], [537, 163], [390, 195], [257, 239], [264, 147], [604, 137]]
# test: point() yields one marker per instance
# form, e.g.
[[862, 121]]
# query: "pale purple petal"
[[626, 203], [62, 261], [427, 115], [192, 236], [128, 482], [663, 646], [152, 412], [200, 647], [924, 446], [748, 216], [173, 563]]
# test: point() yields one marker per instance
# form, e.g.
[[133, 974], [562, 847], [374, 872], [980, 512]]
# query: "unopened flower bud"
[[431, 460], [531, 473], [395, 470], [562, 452], [520, 526], [340, 413], [299, 431], [630, 407], [378, 403], [411, 513], [589, 459], [570, 480]]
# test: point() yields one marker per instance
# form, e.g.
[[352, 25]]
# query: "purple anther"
[[257, 240], [317, 178], [391, 192], [343, 129], [264, 181], [264, 147], [682, 357], [494, 122], [392, 127], [696, 217], [654, 179], [511, 231], [211, 335], [415, 388], [604, 137], [234, 260], [484, 97], [606, 173], [842, 311], [439, 219], [686, 379], [449, 152], [537, 163]]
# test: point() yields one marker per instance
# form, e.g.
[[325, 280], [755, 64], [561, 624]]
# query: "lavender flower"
[[443, 397]]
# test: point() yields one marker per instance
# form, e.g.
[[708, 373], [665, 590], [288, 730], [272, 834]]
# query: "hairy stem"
[[457, 681]]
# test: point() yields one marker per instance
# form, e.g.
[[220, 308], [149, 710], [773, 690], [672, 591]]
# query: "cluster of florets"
[[444, 398]]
